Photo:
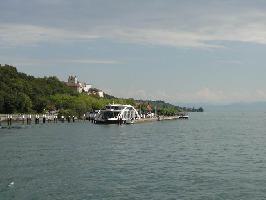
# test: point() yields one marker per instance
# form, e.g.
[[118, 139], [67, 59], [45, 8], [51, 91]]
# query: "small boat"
[[117, 113]]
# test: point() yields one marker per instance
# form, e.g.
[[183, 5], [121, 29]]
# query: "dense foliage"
[[163, 108], [20, 93], [78, 105]]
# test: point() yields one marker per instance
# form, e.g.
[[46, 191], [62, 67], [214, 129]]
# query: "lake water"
[[210, 156]]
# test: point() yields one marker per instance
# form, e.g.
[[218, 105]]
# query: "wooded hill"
[[21, 93]]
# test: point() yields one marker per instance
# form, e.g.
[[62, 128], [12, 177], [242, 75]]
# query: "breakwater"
[[159, 118]]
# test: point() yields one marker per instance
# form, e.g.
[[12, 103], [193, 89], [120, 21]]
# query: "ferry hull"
[[108, 122]]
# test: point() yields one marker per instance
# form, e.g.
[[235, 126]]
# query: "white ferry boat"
[[117, 113]]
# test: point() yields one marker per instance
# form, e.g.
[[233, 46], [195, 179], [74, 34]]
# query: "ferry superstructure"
[[115, 113]]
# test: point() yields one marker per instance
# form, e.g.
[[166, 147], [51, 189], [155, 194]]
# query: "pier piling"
[[9, 120]]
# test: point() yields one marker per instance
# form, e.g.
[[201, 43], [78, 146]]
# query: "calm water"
[[210, 156]]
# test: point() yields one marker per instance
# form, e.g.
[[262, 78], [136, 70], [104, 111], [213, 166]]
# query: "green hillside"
[[21, 93]]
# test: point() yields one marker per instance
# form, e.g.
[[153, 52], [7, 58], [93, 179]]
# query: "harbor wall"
[[159, 118]]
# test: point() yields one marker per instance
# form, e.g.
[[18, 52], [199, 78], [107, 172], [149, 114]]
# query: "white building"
[[83, 87], [74, 84], [86, 87], [101, 93]]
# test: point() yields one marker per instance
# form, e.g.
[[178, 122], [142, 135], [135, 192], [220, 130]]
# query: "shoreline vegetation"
[[22, 93]]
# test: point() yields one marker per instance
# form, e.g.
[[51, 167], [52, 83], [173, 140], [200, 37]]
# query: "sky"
[[194, 51]]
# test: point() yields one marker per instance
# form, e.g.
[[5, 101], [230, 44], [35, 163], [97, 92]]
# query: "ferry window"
[[109, 114], [125, 114]]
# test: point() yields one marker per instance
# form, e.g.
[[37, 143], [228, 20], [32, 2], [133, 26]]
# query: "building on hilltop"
[[86, 87], [72, 80], [83, 87], [74, 84]]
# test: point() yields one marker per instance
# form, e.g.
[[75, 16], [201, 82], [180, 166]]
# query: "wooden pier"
[[26, 119]]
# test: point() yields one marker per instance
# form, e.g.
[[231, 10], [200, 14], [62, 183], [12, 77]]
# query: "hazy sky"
[[179, 51]]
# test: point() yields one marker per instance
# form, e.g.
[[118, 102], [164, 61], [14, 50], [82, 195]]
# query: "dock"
[[159, 118], [19, 120]]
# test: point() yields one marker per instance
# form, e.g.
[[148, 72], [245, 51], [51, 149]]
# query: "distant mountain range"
[[238, 106]]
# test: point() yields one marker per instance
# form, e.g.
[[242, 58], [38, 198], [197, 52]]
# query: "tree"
[[24, 103], [9, 103]]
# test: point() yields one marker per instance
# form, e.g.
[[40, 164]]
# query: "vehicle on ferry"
[[117, 113]]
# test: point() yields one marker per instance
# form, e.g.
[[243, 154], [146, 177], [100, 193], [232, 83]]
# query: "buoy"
[[11, 184]]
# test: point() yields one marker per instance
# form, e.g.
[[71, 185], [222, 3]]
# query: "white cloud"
[[44, 62], [91, 61], [23, 34], [174, 23], [158, 37], [206, 94], [260, 94], [201, 95], [200, 31], [204, 37]]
